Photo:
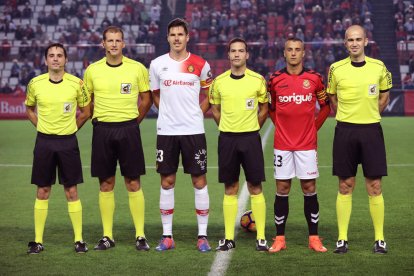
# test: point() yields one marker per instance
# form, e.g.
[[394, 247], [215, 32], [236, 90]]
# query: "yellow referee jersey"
[[56, 102], [358, 89], [115, 89], [239, 98]]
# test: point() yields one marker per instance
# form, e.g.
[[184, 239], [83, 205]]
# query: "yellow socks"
[[376, 208], [230, 212], [137, 208], [343, 214], [75, 214], [40, 215], [107, 207], [259, 212]]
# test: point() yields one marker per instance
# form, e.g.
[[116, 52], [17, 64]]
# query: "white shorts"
[[302, 164]]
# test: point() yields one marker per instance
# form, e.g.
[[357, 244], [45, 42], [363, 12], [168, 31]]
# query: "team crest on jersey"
[[372, 90], [201, 158], [67, 107], [249, 104], [190, 68], [306, 84], [126, 88]]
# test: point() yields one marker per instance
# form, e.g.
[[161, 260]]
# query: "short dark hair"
[[57, 45], [295, 39], [237, 39], [178, 22], [112, 29]]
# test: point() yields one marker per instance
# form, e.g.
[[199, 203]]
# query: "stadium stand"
[[26, 26]]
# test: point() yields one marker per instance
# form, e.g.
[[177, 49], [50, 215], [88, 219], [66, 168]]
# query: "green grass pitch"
[[17, 200]]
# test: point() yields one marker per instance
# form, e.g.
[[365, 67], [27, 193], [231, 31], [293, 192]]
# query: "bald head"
[[355, 28]]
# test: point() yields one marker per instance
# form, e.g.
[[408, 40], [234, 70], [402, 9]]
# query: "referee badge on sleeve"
[[67, 107], [250, 104], [126, 88]]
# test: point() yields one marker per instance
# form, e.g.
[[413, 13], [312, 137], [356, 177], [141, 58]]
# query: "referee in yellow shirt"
[[358, 87], [56, 96], [115, 82], [239, 105]]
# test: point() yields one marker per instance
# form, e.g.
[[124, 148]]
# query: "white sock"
[[167, 210], [202, 205]]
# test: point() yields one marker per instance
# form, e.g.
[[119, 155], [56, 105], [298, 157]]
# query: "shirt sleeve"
[[153, 77], [30, 96], [214, 94], [83, 97], [143, 79], [206, 76], [271, 94], [386, 80], [331, 89], [321, 95], [262, 92], [87, 79]]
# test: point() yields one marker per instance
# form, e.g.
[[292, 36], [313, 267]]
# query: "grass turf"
[[17, 200]]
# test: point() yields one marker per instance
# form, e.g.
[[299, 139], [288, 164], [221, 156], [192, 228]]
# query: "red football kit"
[[292, 106]]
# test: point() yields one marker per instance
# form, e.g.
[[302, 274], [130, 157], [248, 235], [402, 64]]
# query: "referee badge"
[[67, 107], [126, 88], [250, 104], [372, 90]]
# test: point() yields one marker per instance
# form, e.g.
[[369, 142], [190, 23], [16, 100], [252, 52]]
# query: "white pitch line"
[[223, 258]]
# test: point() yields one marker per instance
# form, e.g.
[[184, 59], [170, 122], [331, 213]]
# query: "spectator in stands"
[[329, 57], [408, 81], [15, 69], [18, 91], [280, 63], [409, 26], [42, 17], [40, 34], [52, 18], [317, 42], [155, 11], [24, 45], [5, 88], [19, 33], [15, 13], [328, 26], [309, 62], [29, 33], [64, 11], [369, 27], [299, 7], [299, 22], [5, 50], [105, 22], [299, 34], [27, 11], [338, 28]]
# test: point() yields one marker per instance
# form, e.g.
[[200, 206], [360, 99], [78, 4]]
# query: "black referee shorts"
[[359, 144], [61, 151], [113, 142], [245, 149]]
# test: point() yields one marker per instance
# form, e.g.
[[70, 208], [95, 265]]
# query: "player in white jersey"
[[176, 80]]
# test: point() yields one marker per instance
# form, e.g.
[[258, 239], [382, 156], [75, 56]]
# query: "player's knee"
[[43, 192], [71, 193], [254, 188], [374, 186]]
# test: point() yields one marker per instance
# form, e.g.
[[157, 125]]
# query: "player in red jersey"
[[293, 93]]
